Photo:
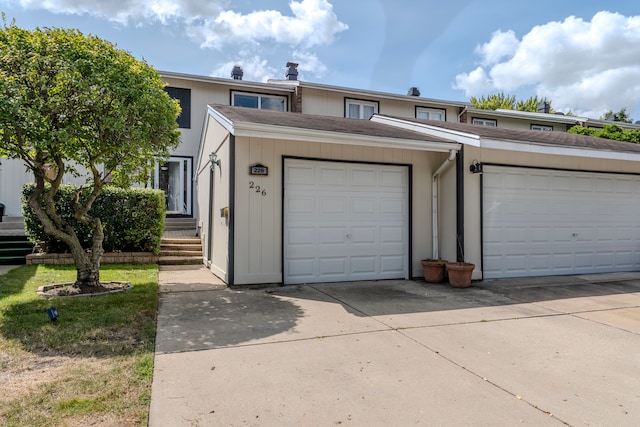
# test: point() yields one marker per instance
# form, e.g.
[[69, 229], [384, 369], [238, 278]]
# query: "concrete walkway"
[[538, 352]]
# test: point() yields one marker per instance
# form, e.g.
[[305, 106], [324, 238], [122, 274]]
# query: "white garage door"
[[344, 222], [544, 222]]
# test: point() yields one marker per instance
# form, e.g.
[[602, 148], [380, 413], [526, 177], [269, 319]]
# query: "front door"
[[173, 176]]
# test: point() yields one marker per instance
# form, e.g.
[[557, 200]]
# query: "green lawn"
[[93, 366]]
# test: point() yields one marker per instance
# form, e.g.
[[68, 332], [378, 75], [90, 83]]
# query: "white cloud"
[[309, 64], [210, 23], [502, 44], [130, 11], [586, 66], [313, 24]]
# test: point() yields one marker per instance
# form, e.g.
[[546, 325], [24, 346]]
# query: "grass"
[[93, 366]]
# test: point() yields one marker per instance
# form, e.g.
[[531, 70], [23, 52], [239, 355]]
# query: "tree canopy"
[[508, 102], [620, 116], [77, 104], [612, 131]]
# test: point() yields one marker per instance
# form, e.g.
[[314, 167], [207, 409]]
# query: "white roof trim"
[[226, 123], [538, 148], [454, 135]]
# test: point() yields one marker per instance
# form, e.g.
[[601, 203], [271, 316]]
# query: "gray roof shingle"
[[321, 123]]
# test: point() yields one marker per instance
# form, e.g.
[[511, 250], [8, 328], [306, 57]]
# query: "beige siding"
[[329, 103], [214, 228], [515, 123], [258, 217]]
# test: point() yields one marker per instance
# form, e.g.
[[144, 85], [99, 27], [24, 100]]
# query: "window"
[[541, 127], [430, 113], [355, 109], [260, 101], [484, 122], [184, 98]]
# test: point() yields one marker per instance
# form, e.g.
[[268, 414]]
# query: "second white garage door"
[[547, 222], [345, 221]]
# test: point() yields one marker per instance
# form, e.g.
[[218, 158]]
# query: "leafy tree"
[[614, 132], [76, 104], [508, 102], [494, 102], [620, 116]]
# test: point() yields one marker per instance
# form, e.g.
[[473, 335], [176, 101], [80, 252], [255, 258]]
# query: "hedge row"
[[133, 219]]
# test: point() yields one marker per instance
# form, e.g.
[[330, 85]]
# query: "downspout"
[[434, 202]]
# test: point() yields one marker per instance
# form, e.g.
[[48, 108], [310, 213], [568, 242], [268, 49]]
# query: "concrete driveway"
[[554, 351]]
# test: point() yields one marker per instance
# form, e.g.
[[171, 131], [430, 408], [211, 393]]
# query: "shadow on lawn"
[[110, 325]]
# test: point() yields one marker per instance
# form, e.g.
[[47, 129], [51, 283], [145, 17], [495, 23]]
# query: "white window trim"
[[545, 128], [361, 104], [484, 122], [259, 96], [431, 111]]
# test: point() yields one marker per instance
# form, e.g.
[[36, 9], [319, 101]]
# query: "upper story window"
[[430, 113], [357, 109], [184, 98], [259, 100], [484, 122], [541, 127]]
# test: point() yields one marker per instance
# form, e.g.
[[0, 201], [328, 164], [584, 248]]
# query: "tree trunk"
[[88, 273]]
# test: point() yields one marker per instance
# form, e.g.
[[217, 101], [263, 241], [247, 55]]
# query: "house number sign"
[[258, 169], [257, 188]]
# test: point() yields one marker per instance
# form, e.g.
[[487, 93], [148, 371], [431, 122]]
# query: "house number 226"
[[257, 188]]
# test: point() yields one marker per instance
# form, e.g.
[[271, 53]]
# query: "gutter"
[[434, 202]]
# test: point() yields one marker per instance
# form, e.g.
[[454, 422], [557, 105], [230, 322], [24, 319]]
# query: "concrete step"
[[176, 224], [180, 260], [170, 241], [181, 253], [181, 247]]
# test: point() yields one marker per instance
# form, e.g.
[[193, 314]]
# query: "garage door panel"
[[360, 225], [392, 179], [332, 176], [301, 236], [366, 178], [391, 265], [363, 235], [363, 265], [332, 235], [561, 222], [332, 266], [301, 205], [332, 205], [301, 268]]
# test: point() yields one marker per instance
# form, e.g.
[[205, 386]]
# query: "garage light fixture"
[[213, 158], [475, 167]]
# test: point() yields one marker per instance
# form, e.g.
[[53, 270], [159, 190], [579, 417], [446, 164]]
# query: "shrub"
[[133, 219]]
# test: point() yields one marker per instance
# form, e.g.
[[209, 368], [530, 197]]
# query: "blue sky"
[[583, 55]]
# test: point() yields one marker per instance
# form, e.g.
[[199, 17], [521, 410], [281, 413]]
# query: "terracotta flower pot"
[[460, 274], [433, 270]]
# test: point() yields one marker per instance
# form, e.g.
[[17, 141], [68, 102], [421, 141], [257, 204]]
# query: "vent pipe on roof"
[[413, 91], [544, 107], [237, 73], [292, 71]]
